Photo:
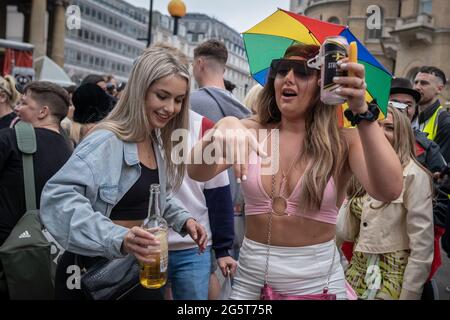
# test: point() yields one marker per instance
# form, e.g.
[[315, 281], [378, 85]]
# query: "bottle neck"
[[154, 207]]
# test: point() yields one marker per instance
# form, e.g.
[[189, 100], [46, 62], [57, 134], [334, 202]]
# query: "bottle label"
[[164, 255], [164, 262], [333, 52]]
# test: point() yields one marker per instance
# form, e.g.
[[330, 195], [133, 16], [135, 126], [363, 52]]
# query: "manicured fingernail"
[[343, 65], [244, 177], [238, 180], [336, 78], [338, 90]]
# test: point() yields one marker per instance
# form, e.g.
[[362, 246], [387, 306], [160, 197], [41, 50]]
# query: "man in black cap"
[[432, 118], [404, 97]]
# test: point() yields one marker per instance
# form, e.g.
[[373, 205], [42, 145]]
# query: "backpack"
[[30, 253]]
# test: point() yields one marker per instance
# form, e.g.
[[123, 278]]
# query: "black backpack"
[[29, 254]]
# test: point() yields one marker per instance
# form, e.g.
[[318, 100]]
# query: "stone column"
[[58, 33], [37, 27]]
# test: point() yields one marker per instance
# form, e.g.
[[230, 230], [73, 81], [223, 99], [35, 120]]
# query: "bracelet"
[[370, 115]]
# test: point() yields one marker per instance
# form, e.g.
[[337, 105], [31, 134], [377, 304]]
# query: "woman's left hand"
[[197, 233], [353, 86]]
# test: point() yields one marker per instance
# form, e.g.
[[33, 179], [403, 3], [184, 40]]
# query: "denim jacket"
[[77, 201]]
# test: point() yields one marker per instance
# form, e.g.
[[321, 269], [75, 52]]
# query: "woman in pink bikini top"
[[294, 178]]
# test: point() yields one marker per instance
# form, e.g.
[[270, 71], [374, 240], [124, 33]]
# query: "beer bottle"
[[154, 275]]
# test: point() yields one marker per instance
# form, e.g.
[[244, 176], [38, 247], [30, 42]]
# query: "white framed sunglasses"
[[398, 105]]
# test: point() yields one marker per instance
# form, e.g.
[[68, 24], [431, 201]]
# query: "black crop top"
[[134, 204]]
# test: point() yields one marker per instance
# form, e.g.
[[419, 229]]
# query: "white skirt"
[[292, 270]]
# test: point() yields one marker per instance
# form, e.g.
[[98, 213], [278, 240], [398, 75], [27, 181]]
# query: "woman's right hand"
[[234, 142], [141, 243]]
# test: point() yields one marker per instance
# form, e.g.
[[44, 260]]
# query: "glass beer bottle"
[[154, 275]]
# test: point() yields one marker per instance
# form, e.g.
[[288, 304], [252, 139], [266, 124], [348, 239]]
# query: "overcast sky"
[[241, 15]]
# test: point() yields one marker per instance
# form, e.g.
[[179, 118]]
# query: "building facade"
[[413, 33], [112, 34], [39, 22], [200, 27]]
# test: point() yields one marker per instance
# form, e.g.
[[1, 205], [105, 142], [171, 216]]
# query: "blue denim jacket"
[[77, 201]]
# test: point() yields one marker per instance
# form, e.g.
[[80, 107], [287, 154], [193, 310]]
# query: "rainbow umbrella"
[[270, 38]]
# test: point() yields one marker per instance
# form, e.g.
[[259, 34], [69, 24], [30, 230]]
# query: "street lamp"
[[149, 32], [177, 10]]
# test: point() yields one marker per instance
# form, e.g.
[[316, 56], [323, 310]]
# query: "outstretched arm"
[[227, 144]]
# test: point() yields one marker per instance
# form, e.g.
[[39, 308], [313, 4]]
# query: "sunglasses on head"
[[283, 66]]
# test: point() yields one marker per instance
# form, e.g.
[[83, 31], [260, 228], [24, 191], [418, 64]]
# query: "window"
[[165, 22], [425, 6], [334, 20], [78, 56]]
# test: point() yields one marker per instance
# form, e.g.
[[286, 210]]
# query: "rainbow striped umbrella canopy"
[[270, 38]]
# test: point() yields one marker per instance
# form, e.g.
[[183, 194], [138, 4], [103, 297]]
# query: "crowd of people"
[[306, 209]]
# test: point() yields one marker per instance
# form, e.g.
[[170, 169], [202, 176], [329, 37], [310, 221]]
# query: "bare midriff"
[[129, 223], [288, 231]]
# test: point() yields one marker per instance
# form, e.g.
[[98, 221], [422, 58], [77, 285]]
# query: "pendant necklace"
[[279, 202]]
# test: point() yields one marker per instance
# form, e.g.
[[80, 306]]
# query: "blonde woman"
[[251, 98], [8, 98], [94, 206], [394, 241], [294, 209]]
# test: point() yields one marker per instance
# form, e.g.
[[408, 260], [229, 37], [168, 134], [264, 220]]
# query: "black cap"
[[403, 85], [91, 103]]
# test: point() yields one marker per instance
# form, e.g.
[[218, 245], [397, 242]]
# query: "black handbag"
[[110, 279]]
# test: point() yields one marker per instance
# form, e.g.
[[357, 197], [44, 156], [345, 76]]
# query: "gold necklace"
[[279, 202]]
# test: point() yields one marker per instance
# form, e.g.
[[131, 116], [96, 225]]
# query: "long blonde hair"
[[323, 146], [128, 119], [403, 142]]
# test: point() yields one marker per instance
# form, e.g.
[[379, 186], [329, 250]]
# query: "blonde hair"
[[403, 142], [128, 119], [8, 86], [323, 147], [251, 100]]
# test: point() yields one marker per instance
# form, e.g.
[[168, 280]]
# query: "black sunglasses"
[[283, 66]]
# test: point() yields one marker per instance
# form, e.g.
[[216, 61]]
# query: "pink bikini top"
[[257, 201]]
